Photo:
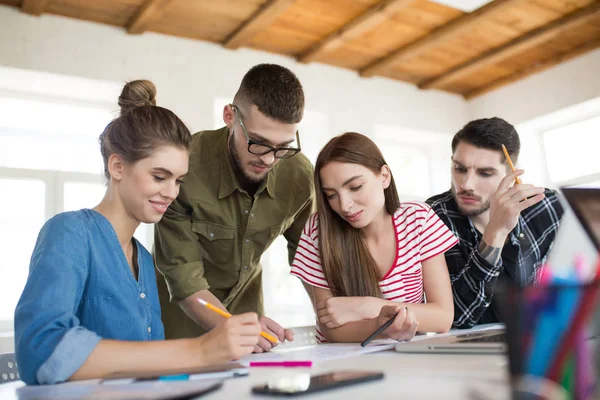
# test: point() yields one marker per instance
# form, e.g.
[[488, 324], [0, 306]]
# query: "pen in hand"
[[379, 330], [225, 314], [510, 163]]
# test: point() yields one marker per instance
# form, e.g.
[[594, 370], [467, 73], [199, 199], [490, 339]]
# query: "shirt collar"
[[229, 182]]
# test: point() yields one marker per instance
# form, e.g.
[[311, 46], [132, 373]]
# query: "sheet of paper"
[[331, 351], [319, 352]]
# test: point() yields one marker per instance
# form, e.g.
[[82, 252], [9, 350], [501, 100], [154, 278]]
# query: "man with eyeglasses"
[[247, 184]]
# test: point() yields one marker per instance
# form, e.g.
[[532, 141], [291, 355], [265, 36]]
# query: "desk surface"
[[407, 376]]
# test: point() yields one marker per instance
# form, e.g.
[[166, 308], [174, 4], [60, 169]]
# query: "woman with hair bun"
[[90, 306]]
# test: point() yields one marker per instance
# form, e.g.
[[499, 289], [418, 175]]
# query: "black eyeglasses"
[[260, 149]]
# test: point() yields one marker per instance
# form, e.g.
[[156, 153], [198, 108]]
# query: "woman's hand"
[[230, 340], [404, 326], [337, 311]]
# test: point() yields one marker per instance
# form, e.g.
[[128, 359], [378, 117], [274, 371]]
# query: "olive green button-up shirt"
[[214, 233]]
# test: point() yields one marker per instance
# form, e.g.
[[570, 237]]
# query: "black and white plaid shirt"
[[473, 278]]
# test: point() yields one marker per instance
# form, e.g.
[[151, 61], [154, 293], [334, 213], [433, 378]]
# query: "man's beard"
[[235, 156], [470, 213]]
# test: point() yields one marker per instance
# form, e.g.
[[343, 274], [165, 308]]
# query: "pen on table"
[[225, 314], [281, 364], [379, 330], [510, 163]]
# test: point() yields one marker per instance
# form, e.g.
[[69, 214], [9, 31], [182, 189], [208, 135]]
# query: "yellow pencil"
[[512, 167], [225, 314]]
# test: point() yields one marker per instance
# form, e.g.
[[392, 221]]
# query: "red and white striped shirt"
[[420, 235]]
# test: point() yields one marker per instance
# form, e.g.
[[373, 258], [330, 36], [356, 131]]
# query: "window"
[[571, 151], [419, 160], [49, 162], [20, 222]]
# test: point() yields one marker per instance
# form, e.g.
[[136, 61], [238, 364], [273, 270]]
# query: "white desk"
[[407, 376]]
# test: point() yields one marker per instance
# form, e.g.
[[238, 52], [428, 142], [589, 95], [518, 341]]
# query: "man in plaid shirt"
[[505, 231]]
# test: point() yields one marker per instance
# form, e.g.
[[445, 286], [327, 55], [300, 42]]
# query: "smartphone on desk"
[[305, 383]]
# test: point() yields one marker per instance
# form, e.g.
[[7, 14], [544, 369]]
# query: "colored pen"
[[379, 330], [281, 364], [225, 314], [510, 163]]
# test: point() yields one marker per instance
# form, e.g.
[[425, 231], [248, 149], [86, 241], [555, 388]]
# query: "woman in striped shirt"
[[364, 256]]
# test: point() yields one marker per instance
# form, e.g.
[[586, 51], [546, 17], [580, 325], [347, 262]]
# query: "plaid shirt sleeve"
[[473, 278]]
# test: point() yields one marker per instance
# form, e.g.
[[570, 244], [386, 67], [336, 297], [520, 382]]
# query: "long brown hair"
[[349, 267], [142, 126]]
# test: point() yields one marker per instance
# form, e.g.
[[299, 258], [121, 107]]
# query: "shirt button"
[[247, 241], [246, 212], [149, 330], [211, 235], [143, 295], [521, 235], [252, 215], [245, 267]]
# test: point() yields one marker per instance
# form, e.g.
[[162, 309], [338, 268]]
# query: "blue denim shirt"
[[80, 289]]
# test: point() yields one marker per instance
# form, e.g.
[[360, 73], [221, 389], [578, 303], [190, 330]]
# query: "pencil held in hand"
[[225, 314], [510, 163]]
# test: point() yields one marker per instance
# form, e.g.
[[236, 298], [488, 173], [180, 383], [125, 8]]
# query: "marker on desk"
[[281, 364], [379, 330], [510, 163], [225, 314]]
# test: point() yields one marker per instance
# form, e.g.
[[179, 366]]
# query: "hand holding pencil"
[[510, 163], [225, 314], [507, 203]]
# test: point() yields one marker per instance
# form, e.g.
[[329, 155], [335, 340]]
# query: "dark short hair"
[[490, 133], [141, 127], [275, 90]]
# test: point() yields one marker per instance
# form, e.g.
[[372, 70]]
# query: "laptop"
[[579, 231], [585, 203], [491, 341], [578, 234]]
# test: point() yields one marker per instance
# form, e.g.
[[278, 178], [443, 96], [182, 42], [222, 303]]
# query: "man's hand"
[[337, 311], [506, 206], [269, 326]]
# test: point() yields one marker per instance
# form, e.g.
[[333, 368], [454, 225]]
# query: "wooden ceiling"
[[417, 41]]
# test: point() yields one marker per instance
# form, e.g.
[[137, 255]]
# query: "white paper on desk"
[[148, 390], [319, 352]]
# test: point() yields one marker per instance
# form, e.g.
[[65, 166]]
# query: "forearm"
[[201, 315], [124, 357], [473, 289], [352, 332]]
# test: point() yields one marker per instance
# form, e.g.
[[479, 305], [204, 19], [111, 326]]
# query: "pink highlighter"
[[288, 364]]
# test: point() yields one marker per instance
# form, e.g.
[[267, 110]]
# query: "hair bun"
[[137, 93]]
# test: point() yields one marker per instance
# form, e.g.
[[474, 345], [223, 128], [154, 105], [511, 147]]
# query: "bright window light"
[[572, 150]]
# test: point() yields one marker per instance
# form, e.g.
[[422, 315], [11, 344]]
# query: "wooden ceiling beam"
[[34, 7], [450, 30], [151, 11], [356, 27], [538, 67], [514, 47], [261, 19]]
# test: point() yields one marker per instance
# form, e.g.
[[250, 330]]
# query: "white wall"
[[189, 74], [567, 84]]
